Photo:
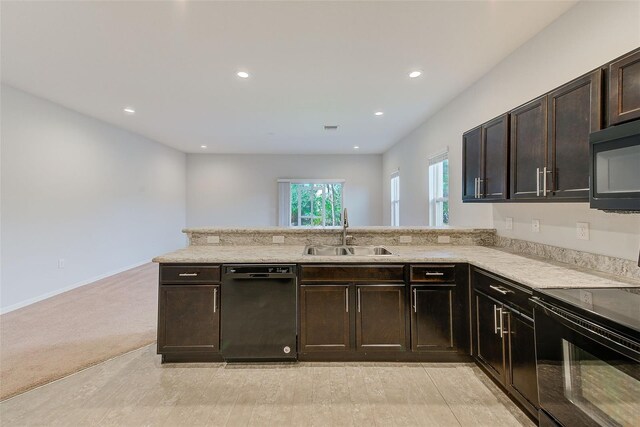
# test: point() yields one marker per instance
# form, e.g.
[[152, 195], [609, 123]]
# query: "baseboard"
[[39, 298]]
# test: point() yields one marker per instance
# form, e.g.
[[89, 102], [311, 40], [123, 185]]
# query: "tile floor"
[[135, 389]]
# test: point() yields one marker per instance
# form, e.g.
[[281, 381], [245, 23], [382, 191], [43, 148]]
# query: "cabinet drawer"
[[352, 273], [189, 274], [433, 273], [503, 290]]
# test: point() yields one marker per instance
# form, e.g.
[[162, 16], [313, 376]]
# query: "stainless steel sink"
[[326, 250], [369, 250]]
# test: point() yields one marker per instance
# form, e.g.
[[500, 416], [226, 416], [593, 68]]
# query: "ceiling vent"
[[330, 127]]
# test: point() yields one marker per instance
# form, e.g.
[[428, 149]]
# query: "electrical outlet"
[[587, 298], [213, 239], [405, 239], [61, 263], [444, 239], [582, 230], [508, 223], [535, 225], [278, 239]]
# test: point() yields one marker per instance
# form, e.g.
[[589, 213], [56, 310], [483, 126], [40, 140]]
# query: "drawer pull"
[[500, 289], [188, 274], [436, 273]]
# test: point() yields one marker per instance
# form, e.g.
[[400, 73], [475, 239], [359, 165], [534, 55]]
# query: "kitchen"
[[471, 200]]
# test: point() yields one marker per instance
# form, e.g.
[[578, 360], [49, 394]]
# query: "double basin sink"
[[327, 250]]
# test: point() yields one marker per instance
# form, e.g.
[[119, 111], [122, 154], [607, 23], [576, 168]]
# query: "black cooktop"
[[619, 306]]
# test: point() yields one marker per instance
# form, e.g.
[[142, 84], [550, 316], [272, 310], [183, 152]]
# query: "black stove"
[[588, 356]]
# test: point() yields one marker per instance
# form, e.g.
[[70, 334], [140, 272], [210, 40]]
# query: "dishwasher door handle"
[[256, 276]]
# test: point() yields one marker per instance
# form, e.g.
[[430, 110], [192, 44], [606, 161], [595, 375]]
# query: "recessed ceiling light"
[[243, 74], [378, 113], [415, 74], [355, 147], [203, 146], [129, 110]]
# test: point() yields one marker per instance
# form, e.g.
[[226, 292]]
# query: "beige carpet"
[[61, 335]]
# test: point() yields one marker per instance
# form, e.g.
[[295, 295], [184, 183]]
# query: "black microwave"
[[614, 170]]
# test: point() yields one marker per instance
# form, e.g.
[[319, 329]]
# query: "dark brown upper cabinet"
[[624, 88], [495, 158], [574, 112], [471, 163], [486, 161], [529, 149]]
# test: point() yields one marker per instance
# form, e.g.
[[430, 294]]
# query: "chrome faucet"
[[345, 225]]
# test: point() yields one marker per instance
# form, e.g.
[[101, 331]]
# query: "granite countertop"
[[529, 271], [306, 230]]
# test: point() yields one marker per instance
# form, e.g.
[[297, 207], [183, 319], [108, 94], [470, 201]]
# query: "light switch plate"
[[508, 223], [405, 239], [444, 239], [278, 239], [587, 298], [213, 239], [535, 225], [582, 230]]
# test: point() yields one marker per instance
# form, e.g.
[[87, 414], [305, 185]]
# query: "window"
[[395, 199], [311, 203], [439, 190]]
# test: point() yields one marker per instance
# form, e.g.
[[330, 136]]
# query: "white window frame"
[[436, 187], [395, 199], [284, 214]]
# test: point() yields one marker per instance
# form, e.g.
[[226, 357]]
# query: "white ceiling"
[[311, 64]]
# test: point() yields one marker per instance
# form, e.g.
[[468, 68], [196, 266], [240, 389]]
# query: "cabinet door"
[[471, 162], [432, 318], [521, 354], [188, 318], [324, 318], [574, 112], [528, 149], [624, 89], [489, 343], [495, 137], [380, 318]]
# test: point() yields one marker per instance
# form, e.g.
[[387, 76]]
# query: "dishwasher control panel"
[[259, 269]]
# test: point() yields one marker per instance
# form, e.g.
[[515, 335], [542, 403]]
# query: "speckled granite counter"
[[526, 270]]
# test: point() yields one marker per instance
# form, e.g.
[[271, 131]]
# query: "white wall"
[[242, 190], [587, 36], [76, 188]]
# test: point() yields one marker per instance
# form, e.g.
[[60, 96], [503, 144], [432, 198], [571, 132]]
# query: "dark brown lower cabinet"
[[504, 342], [188, 319], [324, 318], [521, 358], [380, 318], [489, 344], [432, 323]]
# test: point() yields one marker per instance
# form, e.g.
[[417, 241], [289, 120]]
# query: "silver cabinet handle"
[[346, 299], [500, 289], [358, 300], [538, 182], [188, 274], [544, 181], [495, 319], [480, 192], [504, 313], [434, 273], [415, 301], [477, 187], [501, 324], [215, 299]]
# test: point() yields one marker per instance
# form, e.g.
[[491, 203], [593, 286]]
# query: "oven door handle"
[[591, 330]]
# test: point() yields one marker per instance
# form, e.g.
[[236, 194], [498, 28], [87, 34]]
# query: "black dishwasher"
[[258, 313]]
